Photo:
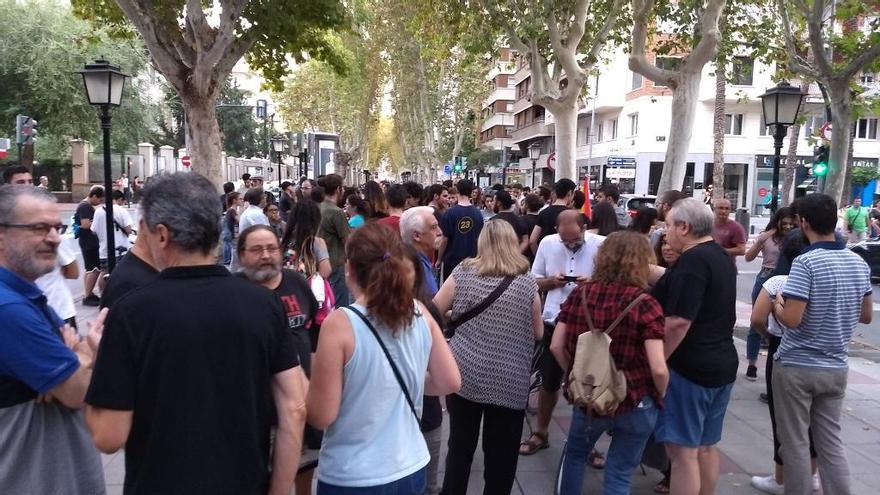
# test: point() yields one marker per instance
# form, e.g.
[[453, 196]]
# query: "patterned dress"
[[494, 349]]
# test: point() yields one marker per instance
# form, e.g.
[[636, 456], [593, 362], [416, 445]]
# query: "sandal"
[[596, 460], [536, 441]]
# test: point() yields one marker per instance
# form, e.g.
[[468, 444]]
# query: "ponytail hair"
[[384, 274]]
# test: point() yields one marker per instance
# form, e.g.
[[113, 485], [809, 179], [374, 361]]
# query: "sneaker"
[[91, 300], [767, 484], [752, 373], [817, 485], [763, 398]]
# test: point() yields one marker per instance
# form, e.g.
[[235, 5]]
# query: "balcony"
[[500, 94], [498, 119], [502, 68], [536, 129], [521, 104]]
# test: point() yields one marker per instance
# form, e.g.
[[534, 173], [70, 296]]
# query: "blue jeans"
[[414, 484], [753, 341], [226, 237], [340, 290], [629, 434]]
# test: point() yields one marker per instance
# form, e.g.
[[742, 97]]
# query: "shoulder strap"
[[619, 318], [482, 305], [396, 371]]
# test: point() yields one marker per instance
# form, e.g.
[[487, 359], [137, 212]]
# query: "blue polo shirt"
[[430, 285], [833, 281], [33, 357]]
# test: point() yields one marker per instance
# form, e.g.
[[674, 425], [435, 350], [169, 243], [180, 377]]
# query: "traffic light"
[[820, 160], [25, 129], [457, 167]]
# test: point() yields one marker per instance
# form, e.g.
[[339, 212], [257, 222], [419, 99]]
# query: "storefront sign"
[[621, 173], [620, 161]]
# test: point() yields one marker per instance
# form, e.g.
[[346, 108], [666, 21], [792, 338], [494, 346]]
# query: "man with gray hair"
[[190, 362], [44, 368], [420, 229], [698, 295]]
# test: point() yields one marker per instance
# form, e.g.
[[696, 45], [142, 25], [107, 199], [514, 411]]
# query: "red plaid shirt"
[[645, 321]]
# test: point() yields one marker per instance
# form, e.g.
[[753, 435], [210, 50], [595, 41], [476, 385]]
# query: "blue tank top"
[[375, 439]]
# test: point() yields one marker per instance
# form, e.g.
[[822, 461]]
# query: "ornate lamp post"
[[781, 106], [278, 146], [534, 154], [104, 85]]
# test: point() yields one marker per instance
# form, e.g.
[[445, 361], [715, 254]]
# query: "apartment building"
[[624, 123]]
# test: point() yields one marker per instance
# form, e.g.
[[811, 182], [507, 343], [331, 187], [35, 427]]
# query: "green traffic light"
[[820, 169]]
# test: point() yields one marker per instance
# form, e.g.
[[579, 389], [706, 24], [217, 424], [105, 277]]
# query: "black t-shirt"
[[515, 221], [301, 307], [284, 205], [193, 354], [87, 239], [701, 288], [432, 411], [547, 220], [130, 273]]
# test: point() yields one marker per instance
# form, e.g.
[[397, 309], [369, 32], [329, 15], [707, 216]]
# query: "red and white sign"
[[762, 192], [185, 161], [825, 131], [3, 154], [551, 162]]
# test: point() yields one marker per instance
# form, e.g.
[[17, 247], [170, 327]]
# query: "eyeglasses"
[[41, 229], [258, 250]]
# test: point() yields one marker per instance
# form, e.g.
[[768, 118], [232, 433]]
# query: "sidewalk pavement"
[[746, 446]]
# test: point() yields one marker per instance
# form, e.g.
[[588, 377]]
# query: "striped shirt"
[[833, 281]]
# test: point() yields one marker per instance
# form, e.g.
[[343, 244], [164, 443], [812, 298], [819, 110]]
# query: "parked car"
[[632, 202]]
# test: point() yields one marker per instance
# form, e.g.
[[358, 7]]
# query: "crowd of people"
[[235, 335]]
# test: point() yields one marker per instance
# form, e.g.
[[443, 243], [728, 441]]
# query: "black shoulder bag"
[[396, 371], [478, 308]]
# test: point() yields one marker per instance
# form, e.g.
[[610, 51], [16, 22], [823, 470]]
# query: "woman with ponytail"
[[375, 361]]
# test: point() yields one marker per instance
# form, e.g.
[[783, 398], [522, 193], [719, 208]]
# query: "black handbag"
[[478, 308]]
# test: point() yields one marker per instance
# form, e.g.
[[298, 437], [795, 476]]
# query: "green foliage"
[[241, 134], [279, 30], [865, 174], [43, 45]]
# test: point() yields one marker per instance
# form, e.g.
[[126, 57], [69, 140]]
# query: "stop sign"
[[185, 161], [3, 154]]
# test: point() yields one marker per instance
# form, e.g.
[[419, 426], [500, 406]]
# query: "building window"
[[614, 129], [867, 78], [813, 125], [866, 129], [583, 134], [666, 63], [633, 124], [743, 71], [599, 129], [763, 130], [733, 124], [636, 81]]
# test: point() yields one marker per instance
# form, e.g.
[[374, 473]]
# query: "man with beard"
[[260, 256], [44, 368]]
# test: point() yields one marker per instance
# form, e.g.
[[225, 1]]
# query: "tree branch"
[[170, 58], [708, 44], [602, 35], [565, 53], [860, 62], [817, 43], [638, 59], [231, 12], [795, 62], [578, 26]]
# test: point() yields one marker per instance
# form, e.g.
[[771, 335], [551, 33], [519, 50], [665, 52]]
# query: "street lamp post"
[[104, 85], [278, 146], [534, 154], [781, 105]]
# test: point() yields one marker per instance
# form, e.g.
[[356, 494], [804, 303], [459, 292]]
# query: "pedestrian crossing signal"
[[820, 160]]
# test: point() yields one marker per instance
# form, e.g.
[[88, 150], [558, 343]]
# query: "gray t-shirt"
[[46, 449]]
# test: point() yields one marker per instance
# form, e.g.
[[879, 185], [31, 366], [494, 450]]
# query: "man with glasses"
[[664, 204], [18, 175], [259, 253], [44, 367]]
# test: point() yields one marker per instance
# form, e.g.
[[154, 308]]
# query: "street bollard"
[[742, 217]]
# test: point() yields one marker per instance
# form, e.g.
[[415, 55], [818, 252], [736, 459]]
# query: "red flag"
[[587, 210]]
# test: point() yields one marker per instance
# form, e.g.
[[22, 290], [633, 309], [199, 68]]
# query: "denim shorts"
[[692, 415]]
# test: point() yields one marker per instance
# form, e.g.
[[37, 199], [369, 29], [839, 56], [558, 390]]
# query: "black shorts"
[[90, 259], [551, 373]]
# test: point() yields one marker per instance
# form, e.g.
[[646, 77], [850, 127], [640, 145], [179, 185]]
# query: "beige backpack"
[[595, 383]]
